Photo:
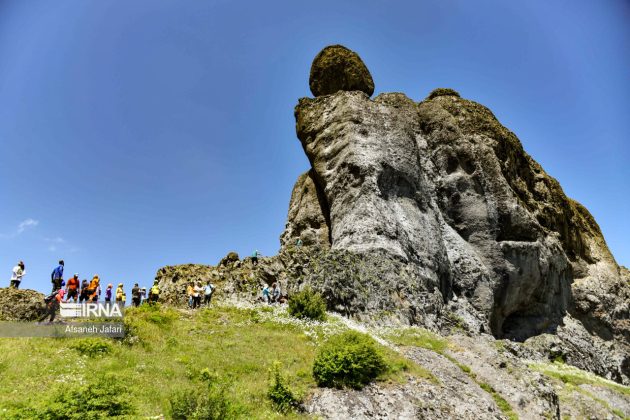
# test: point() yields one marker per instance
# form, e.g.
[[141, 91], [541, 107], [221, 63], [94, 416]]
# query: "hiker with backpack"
[[17, 274], [94, 289], [120, 294], [72, 288], [135, 295], [207, 293], [53, 302], [154, 293], [56, 277], [83, 295]]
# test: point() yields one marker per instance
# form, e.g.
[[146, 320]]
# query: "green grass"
[[169, 350], [417, 337], [574, 376]]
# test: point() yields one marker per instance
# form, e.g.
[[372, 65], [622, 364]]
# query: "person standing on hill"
[[120, 294], [17, 274], [255, 255], [135, 295], [83, 295], [207, 293], [154, 293], [94, 289], [56, 277], [108, 293], [190, 291], [198, 291], [72, 288]]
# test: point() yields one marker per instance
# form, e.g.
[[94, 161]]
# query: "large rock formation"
[[432, 211]]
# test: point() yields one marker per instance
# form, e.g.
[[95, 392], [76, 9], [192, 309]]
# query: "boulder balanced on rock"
[[337, 68]]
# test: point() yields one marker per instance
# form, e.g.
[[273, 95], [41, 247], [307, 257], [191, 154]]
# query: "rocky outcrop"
[[427, 212], [337, 68], [21, 305], [308, 220]]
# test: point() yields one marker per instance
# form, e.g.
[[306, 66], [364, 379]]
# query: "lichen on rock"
[[337, 68]]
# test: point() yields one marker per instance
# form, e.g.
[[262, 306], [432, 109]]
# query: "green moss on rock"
[[442, 92], [337, 68]]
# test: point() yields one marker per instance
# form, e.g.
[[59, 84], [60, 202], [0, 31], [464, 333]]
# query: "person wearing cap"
[[17, 274], [143, 295], [72, 288], [56, 277]]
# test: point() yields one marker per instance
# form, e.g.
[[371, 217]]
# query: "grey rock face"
[[337, 68], [442, 187], [307, 221]]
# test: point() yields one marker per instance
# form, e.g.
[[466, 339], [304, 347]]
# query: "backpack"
[[51, 297], [208, 290]]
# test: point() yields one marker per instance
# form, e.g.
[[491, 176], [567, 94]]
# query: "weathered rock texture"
[[432, 211], [337, 68], [442, 187], [21, 305]]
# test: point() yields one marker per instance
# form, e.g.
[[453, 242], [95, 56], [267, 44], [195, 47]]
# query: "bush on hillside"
[[282, 398], [203, 403], [92, 347], [104, 398], [308, 304], [350, 360]]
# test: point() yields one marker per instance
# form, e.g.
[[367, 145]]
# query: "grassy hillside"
[[224, 352]]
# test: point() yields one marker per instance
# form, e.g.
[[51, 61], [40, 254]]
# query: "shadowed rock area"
[[426, 212]]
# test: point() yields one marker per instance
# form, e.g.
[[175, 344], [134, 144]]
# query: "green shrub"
[[308, 304], [92, 347], [101, 399], [203, 403], [282, 398], [349, 359]]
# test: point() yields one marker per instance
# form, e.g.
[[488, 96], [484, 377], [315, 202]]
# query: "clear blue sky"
[[136, 134]]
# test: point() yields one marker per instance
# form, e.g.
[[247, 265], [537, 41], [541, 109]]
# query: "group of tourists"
[[272, 295], [197, 291], [75, 290]]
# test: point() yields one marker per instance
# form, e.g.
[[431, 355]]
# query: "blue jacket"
[[57, 273]]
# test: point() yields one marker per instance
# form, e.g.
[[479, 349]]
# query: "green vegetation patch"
[[350, 359], [417, 337], [442, 92], [92, 347], [308, 304], [574, 376]]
